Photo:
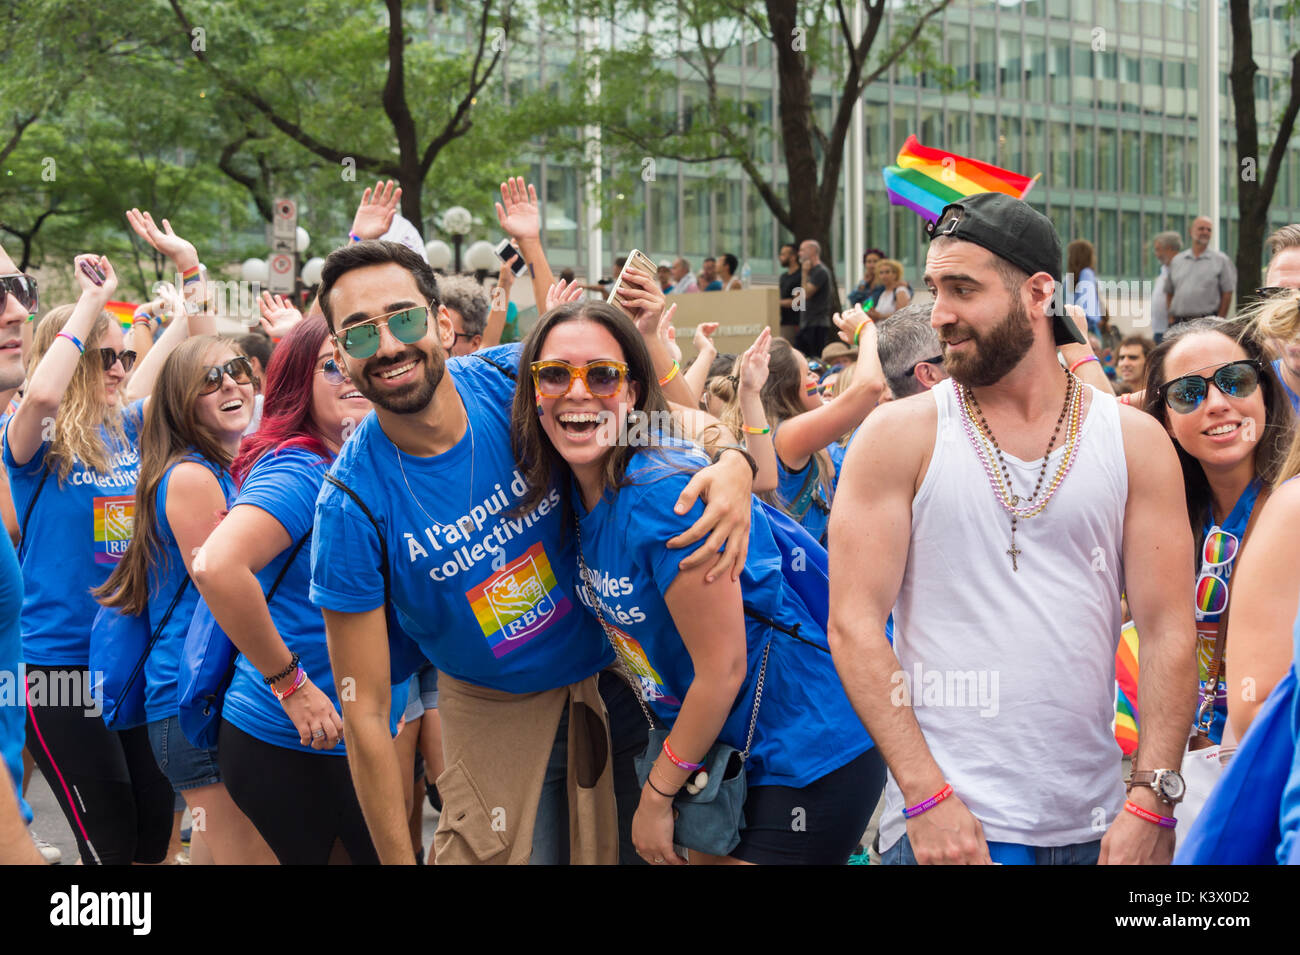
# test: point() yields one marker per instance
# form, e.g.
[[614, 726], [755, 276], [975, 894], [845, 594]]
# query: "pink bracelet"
[[1165, 822], [912, 812], [1083, 361], [680, 763]]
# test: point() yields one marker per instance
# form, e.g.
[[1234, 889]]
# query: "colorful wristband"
[[865, 322], [1165, 822], [191, 275], [353, 237], [678, 762], [1126, 398], [298, 681], [1083, 361], [766, 429], [74, 339], [671, 375], [913, 811]]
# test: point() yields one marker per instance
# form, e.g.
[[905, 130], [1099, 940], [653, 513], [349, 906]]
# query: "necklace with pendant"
[[466, 523], [981, 437]]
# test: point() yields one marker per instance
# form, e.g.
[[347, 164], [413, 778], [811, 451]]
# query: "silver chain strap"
[[634, 683]]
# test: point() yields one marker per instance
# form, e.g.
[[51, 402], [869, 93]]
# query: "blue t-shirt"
[[493, 606], [13, 694], [789, 483], [77, 531], [1291, 395], [806, 725], [285, 484], [163, 665]]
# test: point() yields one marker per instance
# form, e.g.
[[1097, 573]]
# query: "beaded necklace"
[[987, 448]]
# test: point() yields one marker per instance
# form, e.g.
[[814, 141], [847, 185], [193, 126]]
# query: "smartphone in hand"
[[505, 248], [636, 259]]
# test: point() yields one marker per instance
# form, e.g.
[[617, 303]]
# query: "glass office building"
[[1099, 96]]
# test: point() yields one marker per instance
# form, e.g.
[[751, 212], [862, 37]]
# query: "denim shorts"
[[184, 764], [1083, 853], [424, 693]]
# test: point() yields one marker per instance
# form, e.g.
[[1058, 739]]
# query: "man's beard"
[[415, 396], [996, 351]]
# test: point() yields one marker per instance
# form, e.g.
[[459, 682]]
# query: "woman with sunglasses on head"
[[1210, 386], [281, 747], [707, 656], [202, 403], [71, 452]]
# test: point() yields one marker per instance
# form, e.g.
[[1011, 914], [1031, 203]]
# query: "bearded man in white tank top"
[[1004, 572]]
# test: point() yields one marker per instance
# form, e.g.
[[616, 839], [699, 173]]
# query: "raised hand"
[[704, 336], [562, 293], [848, 324], [375, 213], [518, 211], [278, 314], [754, 362], [179, 250], [95, 275], [643, 300]]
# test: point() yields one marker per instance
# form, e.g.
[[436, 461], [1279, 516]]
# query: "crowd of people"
[[602, 606]]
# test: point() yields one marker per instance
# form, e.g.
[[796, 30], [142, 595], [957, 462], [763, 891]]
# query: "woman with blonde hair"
[[894, 294], [202, 404], [71, 453]]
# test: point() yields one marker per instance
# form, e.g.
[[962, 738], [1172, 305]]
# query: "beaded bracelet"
[[913, 811], [748, 430], [678, 761], [1165, 822], [864, 324], [74, 339], [671, 375], [293, 662], [299, 681], [1083, 361]]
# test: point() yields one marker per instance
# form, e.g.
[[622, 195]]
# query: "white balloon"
[[302, 240], [481, 255], [311, 271], [438, 253], [256, 270]]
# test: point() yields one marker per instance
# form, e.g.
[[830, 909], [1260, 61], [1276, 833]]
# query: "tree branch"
[[20, 127], [1286, 126], [459, 125]]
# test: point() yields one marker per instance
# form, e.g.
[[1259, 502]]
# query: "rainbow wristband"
[[353, 237], [1083, 361], [298, 681], [74, 339], [912, 812], [748, 430], [864, 324], [680, 763], [1165, 822], [191, 275], [671, 375]]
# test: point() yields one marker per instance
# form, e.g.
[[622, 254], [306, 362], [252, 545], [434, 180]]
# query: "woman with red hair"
[[280, 747]]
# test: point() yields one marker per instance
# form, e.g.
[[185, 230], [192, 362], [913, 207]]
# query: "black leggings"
[[301, 803], [108, 784]]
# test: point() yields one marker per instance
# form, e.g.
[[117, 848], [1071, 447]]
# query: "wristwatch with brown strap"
[[1166, 783]]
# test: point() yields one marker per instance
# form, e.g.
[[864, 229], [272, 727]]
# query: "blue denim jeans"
[[628, 735], [1082, 853]]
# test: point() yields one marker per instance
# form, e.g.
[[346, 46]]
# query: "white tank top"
[[1012, 674]]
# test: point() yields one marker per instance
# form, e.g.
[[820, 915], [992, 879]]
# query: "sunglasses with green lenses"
[[1237, 379], [362, 339]]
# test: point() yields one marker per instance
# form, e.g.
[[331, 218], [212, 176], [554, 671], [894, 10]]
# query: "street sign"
[[284, 219], [284, 244], [281, 267]]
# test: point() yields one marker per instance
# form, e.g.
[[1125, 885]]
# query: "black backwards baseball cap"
[[1012, 230]]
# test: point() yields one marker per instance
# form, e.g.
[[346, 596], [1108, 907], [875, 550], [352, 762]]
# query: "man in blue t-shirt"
[[485, 591]]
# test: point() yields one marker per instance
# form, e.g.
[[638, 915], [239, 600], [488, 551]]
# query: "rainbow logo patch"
[[1220, 547], [634, 658], [518, 602], [114, 522], [1211, 594]]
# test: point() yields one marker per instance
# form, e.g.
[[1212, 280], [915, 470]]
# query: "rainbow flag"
[[1126, 689], [122, 311], [925, 180]]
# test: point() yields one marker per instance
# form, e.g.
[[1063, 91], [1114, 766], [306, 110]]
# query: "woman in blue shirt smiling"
[[201, 405], [697, 649]]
